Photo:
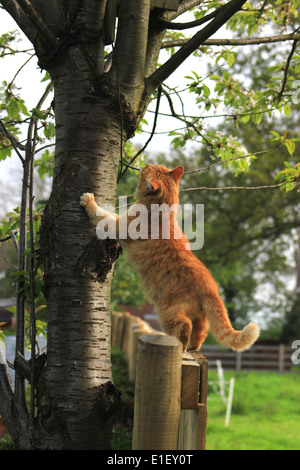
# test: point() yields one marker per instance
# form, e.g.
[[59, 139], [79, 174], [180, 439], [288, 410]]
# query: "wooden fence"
[[261, 357], [170, 405]]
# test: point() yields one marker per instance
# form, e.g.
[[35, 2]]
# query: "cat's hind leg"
[[199, 332], [176, 323]]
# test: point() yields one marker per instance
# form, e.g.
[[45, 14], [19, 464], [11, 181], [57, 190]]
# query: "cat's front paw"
[[86, 199]]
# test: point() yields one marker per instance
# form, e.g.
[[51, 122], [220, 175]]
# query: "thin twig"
[[20, 398], [188, 123], [236, 42], [25, 51], [128, 165], [228, 116], [44, 147], [260, 12], [286, 69], [222, 188], [19, 70], [205, 188], [220, 162], [10, 264], [191, 24], [5, 239], [13, 140], [31, 276], [184, 6], [14, 239]]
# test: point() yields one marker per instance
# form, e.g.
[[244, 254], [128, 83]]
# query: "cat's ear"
[[152, 185], [177, 173]]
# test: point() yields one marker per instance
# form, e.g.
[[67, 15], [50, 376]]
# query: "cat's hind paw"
[[86, 199]]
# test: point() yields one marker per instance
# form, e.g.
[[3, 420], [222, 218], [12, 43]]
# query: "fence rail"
[[127, 328], [275, 358]]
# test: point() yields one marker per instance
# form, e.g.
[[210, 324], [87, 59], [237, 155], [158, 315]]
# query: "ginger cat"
[[180, 286]]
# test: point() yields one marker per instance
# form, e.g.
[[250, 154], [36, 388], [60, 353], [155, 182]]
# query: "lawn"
[[265, 413]]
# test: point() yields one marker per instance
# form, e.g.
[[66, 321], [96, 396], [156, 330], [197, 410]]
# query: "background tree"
[[99, 101]]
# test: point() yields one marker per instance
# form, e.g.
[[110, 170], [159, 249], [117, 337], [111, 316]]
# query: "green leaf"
[[49, 130], [276, 135], [230, 59], [290, 146], [206, 90], [257, 117], [287, 110], [290, 186], [38, 114], [13, 108]]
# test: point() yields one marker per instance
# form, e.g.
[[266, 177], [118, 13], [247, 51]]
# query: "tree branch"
[[149, 139], [131, 45], [95, 15], [42, 29], [184, 6], [205, 188], [14, 142], [237, 42], [155, 38], [221, 162], [13, 8], [286, 69], [199, 38], [191, 24], [93, 32], [20, 324], [180, 118]]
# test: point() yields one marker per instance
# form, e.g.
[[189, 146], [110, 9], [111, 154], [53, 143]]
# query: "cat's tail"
[[222, 330]]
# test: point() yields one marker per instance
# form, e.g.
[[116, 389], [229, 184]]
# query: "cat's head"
[[160, 184]]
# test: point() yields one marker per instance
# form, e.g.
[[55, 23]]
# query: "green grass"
[[265, 414], [265, 411]]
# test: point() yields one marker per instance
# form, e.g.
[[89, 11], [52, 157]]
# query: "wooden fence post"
[[116, 318], [157, 393], [137, 329], [193, 416], [202, 406], [238, 364], [128, 321], [281, 353], [188, 423]]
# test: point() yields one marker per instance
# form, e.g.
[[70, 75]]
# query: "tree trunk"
[[76, 396]]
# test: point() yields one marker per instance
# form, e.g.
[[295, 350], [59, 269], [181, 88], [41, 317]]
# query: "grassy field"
[[265, 414]]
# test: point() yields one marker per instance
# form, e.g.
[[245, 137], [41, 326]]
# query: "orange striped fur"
[[180, 286]]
